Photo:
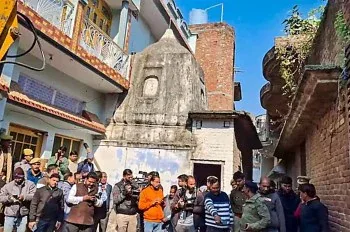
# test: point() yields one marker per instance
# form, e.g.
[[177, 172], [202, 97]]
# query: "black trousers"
[[69, 227]]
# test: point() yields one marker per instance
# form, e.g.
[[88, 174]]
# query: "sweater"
[[218, 205], [151, 213]]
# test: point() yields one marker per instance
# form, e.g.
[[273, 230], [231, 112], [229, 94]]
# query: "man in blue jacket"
[[314, 214]]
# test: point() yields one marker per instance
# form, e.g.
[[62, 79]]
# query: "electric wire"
[[36, 40]]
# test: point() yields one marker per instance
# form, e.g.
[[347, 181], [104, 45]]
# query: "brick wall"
[[215, 51], [328, 165]]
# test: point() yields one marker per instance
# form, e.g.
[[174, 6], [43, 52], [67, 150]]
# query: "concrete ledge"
[[317, 91]]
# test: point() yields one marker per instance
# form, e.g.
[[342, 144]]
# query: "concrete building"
[[87, 46], [144, 99], [313, 138]]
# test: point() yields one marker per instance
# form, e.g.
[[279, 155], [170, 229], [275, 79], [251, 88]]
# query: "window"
[[199, 124], [97, 12], [227, 124], [70, 143], [25, 138]]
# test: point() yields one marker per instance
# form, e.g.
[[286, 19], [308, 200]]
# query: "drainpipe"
[[123, 24]]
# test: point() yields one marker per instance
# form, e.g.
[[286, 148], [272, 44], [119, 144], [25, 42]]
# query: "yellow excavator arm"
[[8, 25]]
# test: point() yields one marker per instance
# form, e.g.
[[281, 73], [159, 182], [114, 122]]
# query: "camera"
[[14, 198], [98, 195]]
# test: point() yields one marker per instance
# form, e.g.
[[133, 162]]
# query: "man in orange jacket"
[[151, 203]]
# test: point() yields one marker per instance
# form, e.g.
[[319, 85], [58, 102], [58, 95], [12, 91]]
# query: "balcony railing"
[[57, 12], [266, 88], [99, 44]]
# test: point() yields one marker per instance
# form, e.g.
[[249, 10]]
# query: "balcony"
[[101, 51], [98, 43], [58, 12]]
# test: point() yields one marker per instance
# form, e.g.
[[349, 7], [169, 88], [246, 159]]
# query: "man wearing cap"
[[256, 216], [86, 166], [34, 174], [25, 163], [16, 197]]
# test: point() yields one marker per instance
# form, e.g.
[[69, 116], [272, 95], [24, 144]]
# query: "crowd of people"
[[73, 197]]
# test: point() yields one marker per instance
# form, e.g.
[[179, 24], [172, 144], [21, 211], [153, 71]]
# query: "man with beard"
[[273, 203], [189, 208], [290, 202], [151, 203], [237, 198]]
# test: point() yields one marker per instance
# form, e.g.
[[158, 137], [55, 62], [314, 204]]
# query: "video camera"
[[138, 183]]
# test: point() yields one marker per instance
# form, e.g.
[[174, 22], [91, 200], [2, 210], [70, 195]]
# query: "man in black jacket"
[[125, 204], [290, 201], [314, 214], [47, 206]]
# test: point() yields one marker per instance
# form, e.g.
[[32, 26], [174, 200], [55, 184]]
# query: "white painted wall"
[[66, 84], [217, 143], [140, 35], [169, 163]]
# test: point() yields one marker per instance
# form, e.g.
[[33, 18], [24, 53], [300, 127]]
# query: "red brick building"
[[314, 139], [215, 51]]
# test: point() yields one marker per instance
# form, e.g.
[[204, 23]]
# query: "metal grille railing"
[[99, 44]]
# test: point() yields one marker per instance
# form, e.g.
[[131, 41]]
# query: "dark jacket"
[[290, 203], [273, 203], [314, 217], [237, 199], [198, 209], [47, 204], [124, 204]]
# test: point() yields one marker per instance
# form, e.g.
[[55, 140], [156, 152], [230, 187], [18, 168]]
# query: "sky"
[[256, 23]]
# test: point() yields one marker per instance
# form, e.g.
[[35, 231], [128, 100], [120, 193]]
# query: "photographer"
[[61, 161], [16, 197], [188, 207], [125, 203], [84, 199]]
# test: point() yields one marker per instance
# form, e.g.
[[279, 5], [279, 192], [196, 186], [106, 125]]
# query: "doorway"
[[202, 171]]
